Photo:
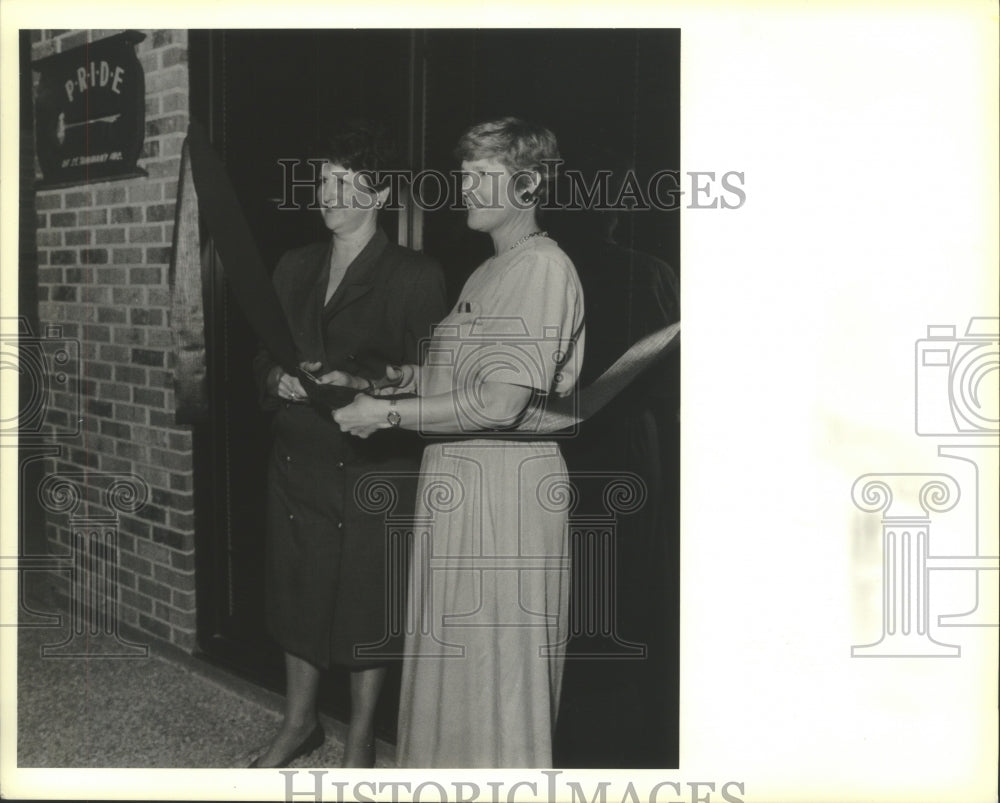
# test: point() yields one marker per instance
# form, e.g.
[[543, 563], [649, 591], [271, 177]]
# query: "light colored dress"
[[489, 576]]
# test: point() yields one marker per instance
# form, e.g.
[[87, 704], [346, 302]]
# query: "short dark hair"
[[516, 144], [361, 145]]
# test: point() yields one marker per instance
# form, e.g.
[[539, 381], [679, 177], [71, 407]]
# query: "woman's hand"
[[290, 389], [363, 416], [340, 378], [397, 379]]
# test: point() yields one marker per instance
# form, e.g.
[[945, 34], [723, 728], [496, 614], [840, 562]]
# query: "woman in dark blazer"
[[355, 304]]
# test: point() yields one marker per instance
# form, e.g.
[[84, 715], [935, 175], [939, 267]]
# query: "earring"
[[378, 204], [527, 197]]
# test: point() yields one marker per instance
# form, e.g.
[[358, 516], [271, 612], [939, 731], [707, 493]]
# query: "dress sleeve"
[[530, 332], [264, 365]]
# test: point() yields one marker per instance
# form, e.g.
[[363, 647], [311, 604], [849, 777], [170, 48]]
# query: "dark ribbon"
[[187, 312]]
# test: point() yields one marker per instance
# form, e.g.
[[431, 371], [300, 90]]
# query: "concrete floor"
[[156, 711]]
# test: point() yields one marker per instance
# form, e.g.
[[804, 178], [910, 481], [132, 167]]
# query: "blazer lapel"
[[357, 279]]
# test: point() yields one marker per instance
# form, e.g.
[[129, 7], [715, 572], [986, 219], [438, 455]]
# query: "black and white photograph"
[[353, 447], [328, 236]]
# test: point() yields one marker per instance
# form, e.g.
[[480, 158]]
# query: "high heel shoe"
[[312, 742]]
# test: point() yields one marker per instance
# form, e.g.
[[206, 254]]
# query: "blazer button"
[[288, 458], [291, 517], [340, 464], [340, 525]]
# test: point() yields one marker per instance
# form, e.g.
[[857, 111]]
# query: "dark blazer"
[[386, 302], [326, 552]]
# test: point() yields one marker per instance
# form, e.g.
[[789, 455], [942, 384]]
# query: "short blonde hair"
[[517, 144]]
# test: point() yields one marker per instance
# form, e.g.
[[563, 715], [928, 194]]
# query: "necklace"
[[527, 237]]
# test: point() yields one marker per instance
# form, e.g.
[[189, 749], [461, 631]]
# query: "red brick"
[[116, 429], [155, 476], [130, 524], [94, 256], [136, 601], [158, 255], [184, 600], [49, 239], [171, 124], [115, 354], [179, 581], [147, 357], [165, 168], [184, 638], [64, 258], [78, 237], [158, 297], [149, 437], [62, 219], [77, 199], [111, 463], [175, 101], [181, 482], [128, 295], [95, 294], [170, 460], [142, 275], [110, 195], [174, 55], [180, 441], [48, 200], [130, 412], [134, 451], [126, 214], [130, 335], [154, 627], [151, 191], [79, 275], [110, 315], [111, 276], [93, 217], [171, 78], [159, 212], [145, 234], [160, 338], [126, 256], [132, 374], [125, 579], [109, 236], [181, 521], [142, 316], [153, 552]]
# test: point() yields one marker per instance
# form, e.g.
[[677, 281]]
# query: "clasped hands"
[[366, 413]]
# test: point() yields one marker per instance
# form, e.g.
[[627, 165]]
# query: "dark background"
[[267, 95]]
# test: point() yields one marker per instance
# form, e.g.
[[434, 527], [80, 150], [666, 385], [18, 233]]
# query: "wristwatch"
[[393, 416]]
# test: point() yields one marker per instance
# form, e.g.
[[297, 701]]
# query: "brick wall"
[[103, 253]]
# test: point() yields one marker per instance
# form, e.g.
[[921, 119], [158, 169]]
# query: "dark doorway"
[[265, 96]]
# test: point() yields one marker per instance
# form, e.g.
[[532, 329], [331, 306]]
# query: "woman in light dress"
[[489, 582]]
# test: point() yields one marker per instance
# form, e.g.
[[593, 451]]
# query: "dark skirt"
[[338, 514]]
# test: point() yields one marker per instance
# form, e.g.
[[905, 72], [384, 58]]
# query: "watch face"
[[393, 418]]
